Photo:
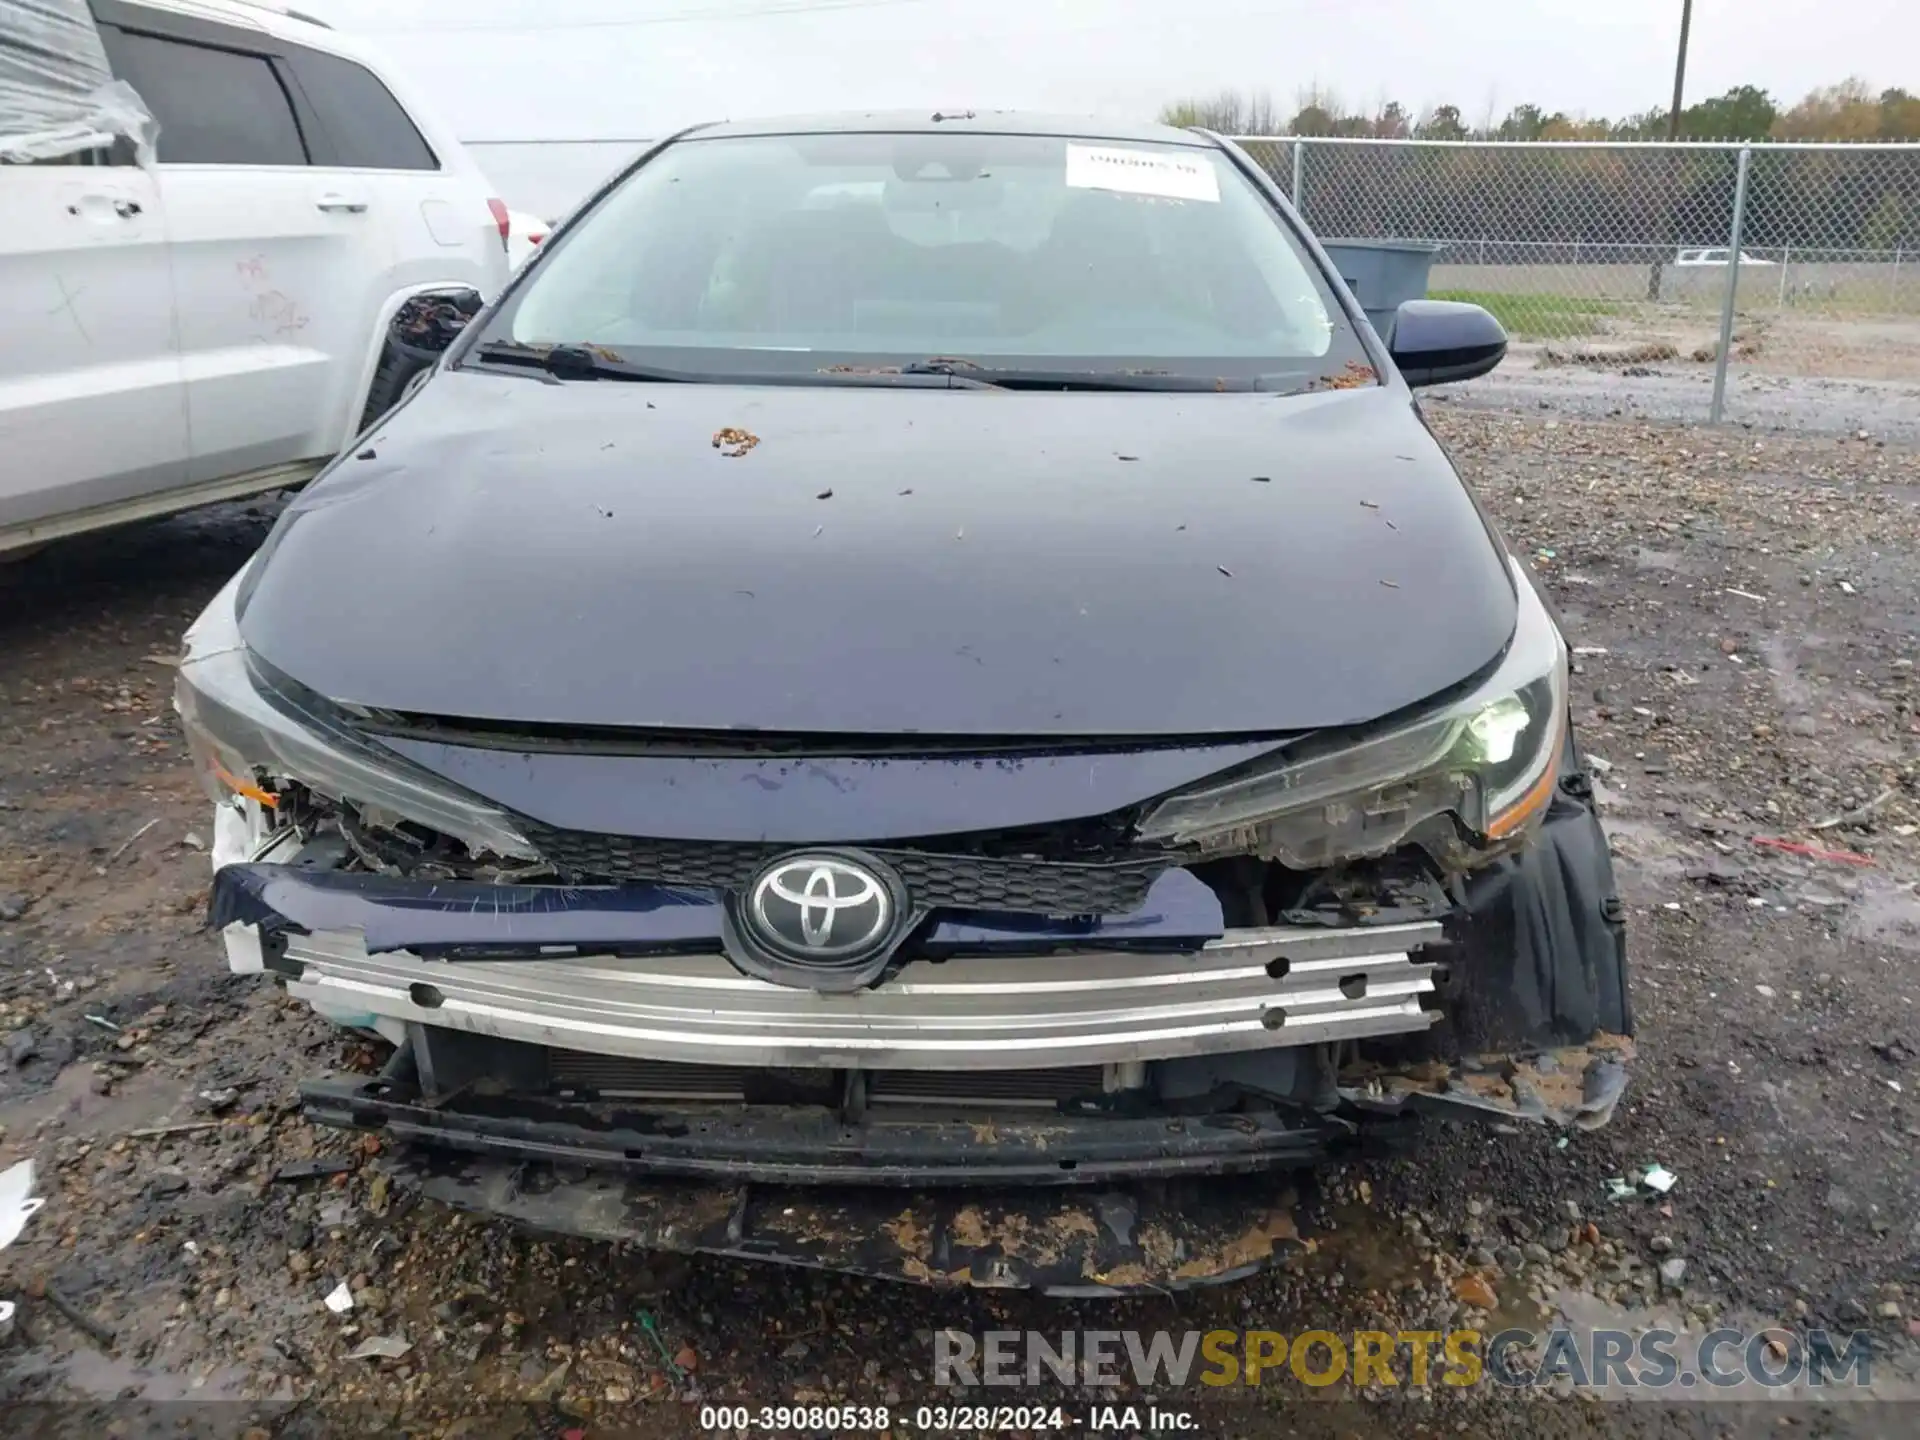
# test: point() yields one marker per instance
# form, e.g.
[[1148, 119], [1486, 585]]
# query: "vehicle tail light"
[[499, 209]]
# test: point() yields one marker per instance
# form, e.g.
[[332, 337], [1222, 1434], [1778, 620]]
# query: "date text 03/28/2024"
[[938, 1419]]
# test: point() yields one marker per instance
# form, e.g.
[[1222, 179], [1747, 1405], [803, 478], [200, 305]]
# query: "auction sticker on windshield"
[[1170, 175]]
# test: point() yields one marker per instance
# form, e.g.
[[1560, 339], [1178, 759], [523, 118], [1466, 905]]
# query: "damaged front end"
[[1108, 989]]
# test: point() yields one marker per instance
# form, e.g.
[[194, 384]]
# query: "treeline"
[[1851, 110]]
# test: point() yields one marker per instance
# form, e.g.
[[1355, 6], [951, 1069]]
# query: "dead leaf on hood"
[[1353, 376]]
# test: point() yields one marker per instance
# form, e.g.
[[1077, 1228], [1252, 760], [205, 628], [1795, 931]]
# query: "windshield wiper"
[[597, 362], [1017, 379], [577, 362]]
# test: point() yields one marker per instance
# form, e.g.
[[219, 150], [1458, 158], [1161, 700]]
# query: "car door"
[[423, 196], [264, 246], [92, 402]]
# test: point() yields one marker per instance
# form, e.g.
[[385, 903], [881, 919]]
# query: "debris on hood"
[[1352, 376], [734, 442]]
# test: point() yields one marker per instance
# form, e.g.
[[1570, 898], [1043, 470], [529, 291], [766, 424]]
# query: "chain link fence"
[[1799, 260]]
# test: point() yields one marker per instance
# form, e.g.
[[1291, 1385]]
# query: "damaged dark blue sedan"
[[916, 697]]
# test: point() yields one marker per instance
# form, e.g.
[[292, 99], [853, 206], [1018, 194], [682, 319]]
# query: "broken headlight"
[[1489, 761], [250, 735]]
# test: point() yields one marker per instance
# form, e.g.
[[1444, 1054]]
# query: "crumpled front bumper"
[[1512, 1007], [971, 1006], [1098, 1203]]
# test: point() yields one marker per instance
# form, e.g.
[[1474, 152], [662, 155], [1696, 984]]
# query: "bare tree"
[[1229, 113]]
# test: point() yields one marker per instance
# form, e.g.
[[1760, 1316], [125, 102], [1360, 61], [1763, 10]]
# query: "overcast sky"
[[637, 69], [520, 69]]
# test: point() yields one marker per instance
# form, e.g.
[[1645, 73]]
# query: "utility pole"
[[1680, 71], [1673, 133]]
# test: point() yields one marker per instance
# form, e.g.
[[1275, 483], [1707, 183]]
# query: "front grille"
[[616, 1077], [934, 878]]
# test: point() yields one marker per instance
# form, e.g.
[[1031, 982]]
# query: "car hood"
[[885, 561]]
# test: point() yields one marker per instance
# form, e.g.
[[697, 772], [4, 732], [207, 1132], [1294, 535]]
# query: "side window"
[[365, 128], [215, 107]]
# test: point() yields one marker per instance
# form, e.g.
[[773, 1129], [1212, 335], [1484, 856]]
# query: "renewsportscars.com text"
[[1652, 1359]]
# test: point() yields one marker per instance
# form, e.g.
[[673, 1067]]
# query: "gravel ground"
[[1745, 609], [1681, 392]]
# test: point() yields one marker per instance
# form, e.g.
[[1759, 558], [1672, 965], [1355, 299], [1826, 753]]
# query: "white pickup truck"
[[207, 317]]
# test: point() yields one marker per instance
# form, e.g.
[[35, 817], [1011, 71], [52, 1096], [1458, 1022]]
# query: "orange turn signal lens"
[[244, 787]]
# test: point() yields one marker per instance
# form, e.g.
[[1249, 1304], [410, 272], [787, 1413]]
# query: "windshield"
[[825, 253]]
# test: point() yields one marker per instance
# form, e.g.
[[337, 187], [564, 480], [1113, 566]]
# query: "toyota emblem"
[[821, 908]]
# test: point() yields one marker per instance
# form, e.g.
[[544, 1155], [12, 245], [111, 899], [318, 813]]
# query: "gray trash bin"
[[1382, 273]]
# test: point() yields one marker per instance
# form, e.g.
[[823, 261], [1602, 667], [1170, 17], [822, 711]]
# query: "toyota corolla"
[[916, 697]]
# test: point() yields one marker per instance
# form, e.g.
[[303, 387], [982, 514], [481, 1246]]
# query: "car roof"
[[985, 122], [267, 15]]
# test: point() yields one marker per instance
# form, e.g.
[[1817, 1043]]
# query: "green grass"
[[1550, 317]]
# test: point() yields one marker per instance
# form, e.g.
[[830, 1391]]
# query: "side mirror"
[[1437, 342]]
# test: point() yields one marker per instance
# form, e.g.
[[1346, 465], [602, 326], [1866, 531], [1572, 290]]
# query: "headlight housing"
[[1489, 760], [248, 736]]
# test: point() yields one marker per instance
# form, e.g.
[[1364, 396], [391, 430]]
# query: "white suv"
[[1715, 257], [215, 325]]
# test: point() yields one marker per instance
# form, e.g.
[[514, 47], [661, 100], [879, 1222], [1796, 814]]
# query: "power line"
[[677, 17]]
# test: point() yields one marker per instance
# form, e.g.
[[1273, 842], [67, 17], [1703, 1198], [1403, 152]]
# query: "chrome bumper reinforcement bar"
[[1248, 990]]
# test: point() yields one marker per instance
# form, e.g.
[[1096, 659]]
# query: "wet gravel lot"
[[1744, 606]]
